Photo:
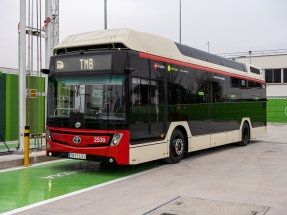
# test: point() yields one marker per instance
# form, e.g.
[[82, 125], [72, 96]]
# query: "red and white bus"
[[127, 97]]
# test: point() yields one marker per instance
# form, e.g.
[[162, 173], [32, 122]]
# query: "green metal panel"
[[35, 107], [14, 106], [30, 106], [271, 114], [41, 114], [8, 104], [281, 101], [11, 106], [271, 102], [277, 110], [3, 105]]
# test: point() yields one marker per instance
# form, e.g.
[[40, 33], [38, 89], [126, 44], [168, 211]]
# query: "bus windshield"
[[99, 97]]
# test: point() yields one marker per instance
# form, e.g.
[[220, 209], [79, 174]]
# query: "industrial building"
[[274, 68]]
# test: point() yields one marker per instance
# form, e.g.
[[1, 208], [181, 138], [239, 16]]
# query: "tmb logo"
[[158, 66]]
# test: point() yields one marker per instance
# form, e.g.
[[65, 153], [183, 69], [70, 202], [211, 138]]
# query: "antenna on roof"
[[250, 52]]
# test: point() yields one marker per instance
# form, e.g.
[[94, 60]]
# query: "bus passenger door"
[[146, 115], [200, 111], [219, 110]]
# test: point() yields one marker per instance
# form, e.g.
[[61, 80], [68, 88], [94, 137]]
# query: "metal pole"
[[40, 66], [207, 46], [48, 6], [22, 74], [179, 21], [105, 14], [29, 60], [54, 23], [32, 17], [29, 37]]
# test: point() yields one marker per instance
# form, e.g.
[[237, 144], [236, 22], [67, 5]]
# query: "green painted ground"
[[26, 186]]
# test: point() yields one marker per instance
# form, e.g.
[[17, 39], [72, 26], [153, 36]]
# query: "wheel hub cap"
[[178, 146]]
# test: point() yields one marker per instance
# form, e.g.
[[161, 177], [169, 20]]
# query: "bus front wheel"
[[245, 135], [176, 147]]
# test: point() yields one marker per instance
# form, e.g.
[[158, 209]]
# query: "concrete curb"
[[15, 160]]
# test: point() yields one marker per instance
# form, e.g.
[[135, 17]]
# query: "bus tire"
[[245, 136], [176, 147]]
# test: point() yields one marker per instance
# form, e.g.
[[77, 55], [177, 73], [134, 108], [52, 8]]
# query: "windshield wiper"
[[106, 123], [54, 120]]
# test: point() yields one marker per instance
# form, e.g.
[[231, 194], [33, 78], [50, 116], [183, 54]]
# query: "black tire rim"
[[177, 147]]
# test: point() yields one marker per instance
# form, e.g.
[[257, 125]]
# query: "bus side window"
[[144, 94], [135, 92]]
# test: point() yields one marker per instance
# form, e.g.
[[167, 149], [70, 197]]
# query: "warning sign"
[[32, 93]]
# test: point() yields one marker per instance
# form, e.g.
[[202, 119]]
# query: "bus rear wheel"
[[245, 136], [176, 147]]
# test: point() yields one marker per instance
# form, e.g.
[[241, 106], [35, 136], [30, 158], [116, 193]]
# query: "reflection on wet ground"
[[26, 186]]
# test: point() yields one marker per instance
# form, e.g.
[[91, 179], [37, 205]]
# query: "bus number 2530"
[[100, 139]]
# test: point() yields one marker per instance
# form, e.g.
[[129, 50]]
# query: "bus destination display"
[[84, 63]]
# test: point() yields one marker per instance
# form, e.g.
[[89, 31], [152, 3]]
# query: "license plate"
[[77, 156]]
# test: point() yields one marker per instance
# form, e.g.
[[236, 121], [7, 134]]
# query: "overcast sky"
[[228, 25]]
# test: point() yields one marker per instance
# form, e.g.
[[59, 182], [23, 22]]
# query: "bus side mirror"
[[129, 70], [45, 71]]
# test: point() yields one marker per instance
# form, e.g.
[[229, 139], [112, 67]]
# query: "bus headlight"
[[48, 135], [116, 139]]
